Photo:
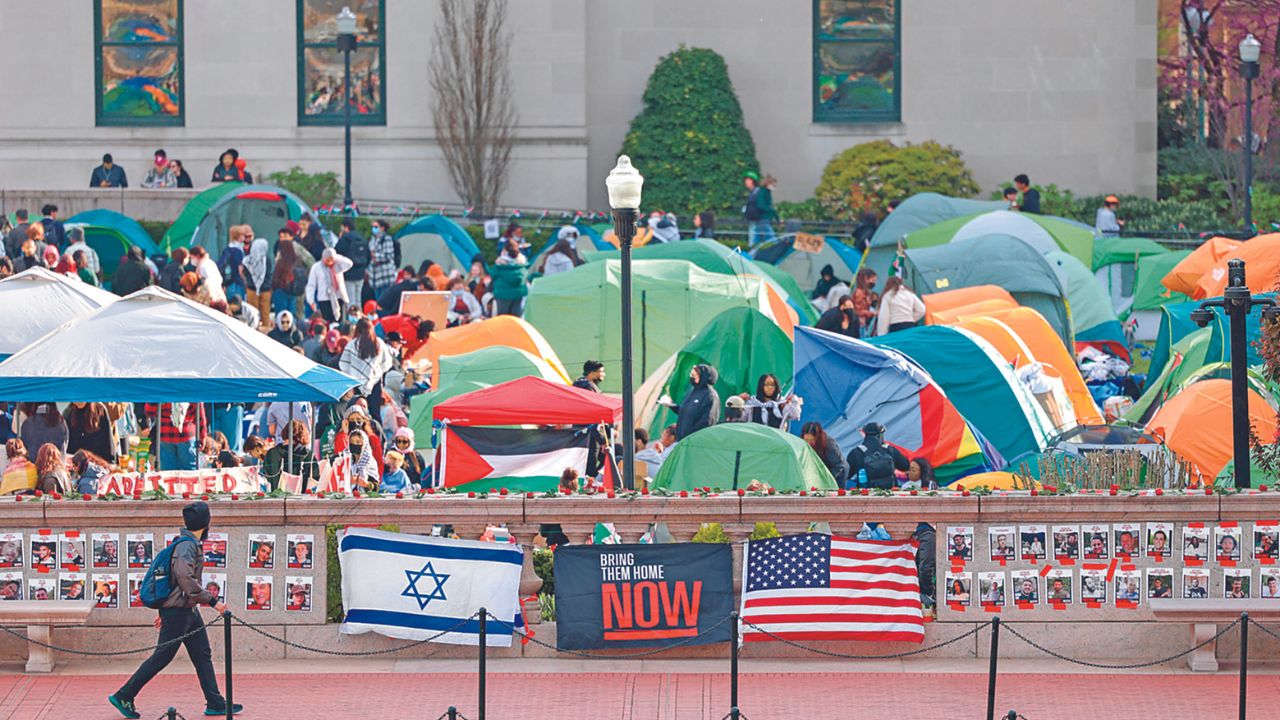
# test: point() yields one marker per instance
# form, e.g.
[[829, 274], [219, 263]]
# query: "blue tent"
[[110, 234], [806, 267], [585, 231], [438, 239]]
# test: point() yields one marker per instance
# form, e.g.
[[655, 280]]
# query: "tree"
[[474, 114], [689, 140], [866, 177]]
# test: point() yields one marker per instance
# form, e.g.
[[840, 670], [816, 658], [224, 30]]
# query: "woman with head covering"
[[769, 406], [563, 256], [326, 289], [286, 331], [364, 466], [367, 359], [288, 277], [49, 258], [415, 465], [256, 276]]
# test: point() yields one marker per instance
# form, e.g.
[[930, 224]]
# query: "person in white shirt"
[[1105, 222], [208, 271], [564, 256], [326, 291], [76, 236], [899, 308], [653, 454], [463, 306]]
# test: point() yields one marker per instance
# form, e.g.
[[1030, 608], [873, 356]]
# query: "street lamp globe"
[[347, 22], [624, 183], [1250, 49]]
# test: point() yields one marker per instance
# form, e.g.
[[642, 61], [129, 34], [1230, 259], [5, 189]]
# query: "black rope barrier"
[[110, 653], [848, 656], [1122, 666], [351, 653]]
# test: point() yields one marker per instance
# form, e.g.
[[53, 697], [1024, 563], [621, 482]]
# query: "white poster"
[[11, 585], [141, 548], [42, 588], [1066, 542], [106, 550], [1002, 542], [299, 588], [1270, 583], [959, 585], [1237, 583], [301, 549], [44, 551], [11, 551], [1059, 586], [1128, 586], [1097, 545], [1093, 586], [1159, 539], [1226, 541], [73, 551], [216, 584], [1032, 542], [1128, 540], [215, 550], [1195, 583], [135, 586], [262, 551], [1195, 543], [257, 592], [106, 591], [1159, 582], [991, 588], [1026, 587]]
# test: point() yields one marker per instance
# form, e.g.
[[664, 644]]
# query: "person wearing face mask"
[[329, 351], [365, 472], [326, 288], [160, 176], [385, 249], [463, 306], [700, 407], [286, 332], [865, 300], [840, 319]]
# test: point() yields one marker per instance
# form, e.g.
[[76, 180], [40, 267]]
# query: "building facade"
[[1063, 91]]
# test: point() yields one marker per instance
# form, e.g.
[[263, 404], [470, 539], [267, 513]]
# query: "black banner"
[[630, 596]]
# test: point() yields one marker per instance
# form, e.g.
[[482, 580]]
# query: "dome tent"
[[1115, 265], [438, 239], [110, 235], [1042, 232], [266, 208], [58, 297], [730, 455], [1196, 424], [806, 267], [503, 330], [916, 213], [1093, 320]]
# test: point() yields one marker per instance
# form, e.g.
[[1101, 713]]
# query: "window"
[[138, 62], [856, 61], [320, 69]]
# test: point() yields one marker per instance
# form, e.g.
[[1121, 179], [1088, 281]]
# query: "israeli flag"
[[415, 587]]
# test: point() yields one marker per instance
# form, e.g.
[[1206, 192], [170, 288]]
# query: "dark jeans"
[[176, 622], [895, 327], [511, 307]]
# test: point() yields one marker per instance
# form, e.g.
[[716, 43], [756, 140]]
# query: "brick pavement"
[[658, 696]]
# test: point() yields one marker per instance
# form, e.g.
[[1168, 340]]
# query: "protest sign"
[[176, 482], [625, 596]]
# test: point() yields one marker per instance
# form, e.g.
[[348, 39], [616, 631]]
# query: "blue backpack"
[[158, 582]]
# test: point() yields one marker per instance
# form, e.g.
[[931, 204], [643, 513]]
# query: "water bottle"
[[862, 478]]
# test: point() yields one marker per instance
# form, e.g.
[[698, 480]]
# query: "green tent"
[[916, 213], [1190, 354], [796, 297], [980, 383], [741, 344], [1042, 232], [1092, 318], [1109, 251], [1006, 261], [1176, 324], [265, 208], [730, 455], [578, 311], [110, 235], [438, 239], [180, 232], [1149, 293]]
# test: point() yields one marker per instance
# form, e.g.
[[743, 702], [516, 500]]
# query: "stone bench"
[[39, 616], [1205, 616]]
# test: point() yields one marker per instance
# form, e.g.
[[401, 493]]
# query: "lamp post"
[[1250, 49], [624, 184], [347, 44], [1237, 302]]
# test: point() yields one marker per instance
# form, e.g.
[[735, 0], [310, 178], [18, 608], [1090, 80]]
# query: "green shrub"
[[711, 533], [689, 141], [544, 566], [315, 188], [867, 176], [333, 577], [765, 530], [806, 210], [156, 229]]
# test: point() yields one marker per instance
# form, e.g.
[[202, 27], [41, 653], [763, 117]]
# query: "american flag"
[[819, 587]]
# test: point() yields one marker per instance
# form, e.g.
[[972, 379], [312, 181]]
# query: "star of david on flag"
[[415, 587]]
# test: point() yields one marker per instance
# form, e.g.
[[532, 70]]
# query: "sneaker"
[[125, 707], [222, 712]]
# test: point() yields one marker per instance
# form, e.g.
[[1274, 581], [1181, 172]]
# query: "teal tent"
[[438, 239], [730, 455], [1176, 324], [1042, 232], [1092, 317], [916, 213], [110, 234], [1115, 265]]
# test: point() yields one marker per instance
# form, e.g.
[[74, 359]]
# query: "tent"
[[1093, 320], [595, 241], [1184, 276], [806, 267], [180, 232], [438, 239], [1261, 256], [578, 311], [847, 383], [1115, 264], [1196, 424], [944, 307], [264, 207], [979, 382], [529, 400], [1149, 293], [35, 301], [503, 330], [798, 299], [1176, 323], [731, 455], [110, 234], [741, 344], [1187, 357], [154, 346], [1006, 262], [1042, 232], [916, 213]]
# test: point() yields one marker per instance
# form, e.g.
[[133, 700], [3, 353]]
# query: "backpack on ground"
[[878, 463], [158, 582]]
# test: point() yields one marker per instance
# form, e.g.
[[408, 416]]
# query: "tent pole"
[[311, 433], [289, 455], [155, 450]]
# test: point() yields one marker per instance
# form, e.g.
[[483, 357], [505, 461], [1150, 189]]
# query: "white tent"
[[154, 346], [35, 301]]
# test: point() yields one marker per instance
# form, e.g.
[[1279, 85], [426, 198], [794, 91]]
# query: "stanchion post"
[[1244, 663], [733, 663], [735, 713], [226, 659], [171, 714], [483, 646], [453, 713], [991, 674]]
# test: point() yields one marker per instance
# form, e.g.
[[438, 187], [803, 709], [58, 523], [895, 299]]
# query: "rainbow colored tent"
[[847, 383]]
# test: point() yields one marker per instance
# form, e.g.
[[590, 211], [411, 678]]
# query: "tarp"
[[110, 234], [503, 330], [1042, 232], [1005, 261], [1093, 319], [154, 346], [741, 344], [806, 267], [979, 383], [35, 301], [847, 383], [1184, 276], [529, 400], [1261, 256], [1176, 323], [731, 455], [578, 311], [180, 232], [915, 213], [438, 239], [1149, 291], [1196, 424]]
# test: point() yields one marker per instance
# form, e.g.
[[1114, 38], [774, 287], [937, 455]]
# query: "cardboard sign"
[[806, 242], [430, 305], [176, 482]]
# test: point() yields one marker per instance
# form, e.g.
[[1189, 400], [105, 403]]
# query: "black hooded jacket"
[[701, 407]]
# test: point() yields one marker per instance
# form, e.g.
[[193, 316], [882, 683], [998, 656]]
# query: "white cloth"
[[255, 263], [557, 263], [367, 370], [90, 255], [320, 285], [249, 315], [208, 271], [898, 306]]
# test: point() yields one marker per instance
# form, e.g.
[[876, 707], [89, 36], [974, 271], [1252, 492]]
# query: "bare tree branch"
[[474, 113]]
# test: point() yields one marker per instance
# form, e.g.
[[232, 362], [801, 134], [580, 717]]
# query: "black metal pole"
[[453, 713], [1250, 71], [1244, 662], [624, 227], [991, 674], [226, 659], [346, 43], [733, 662], [171, 713], [484, 643], [1238, 302]]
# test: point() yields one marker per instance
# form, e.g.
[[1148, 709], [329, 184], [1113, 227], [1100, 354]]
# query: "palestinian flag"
[[484, 459]]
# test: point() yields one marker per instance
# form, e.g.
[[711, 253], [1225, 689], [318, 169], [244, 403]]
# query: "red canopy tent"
[[529, 401]]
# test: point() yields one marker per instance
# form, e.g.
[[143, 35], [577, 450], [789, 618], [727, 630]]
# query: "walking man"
[[178, 617]]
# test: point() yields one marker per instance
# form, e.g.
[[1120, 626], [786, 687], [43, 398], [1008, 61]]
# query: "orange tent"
[[1261, 257], [952, 304], [1196, 424], [506, 330], [781, 313], [1021, 336], [1184, 276]]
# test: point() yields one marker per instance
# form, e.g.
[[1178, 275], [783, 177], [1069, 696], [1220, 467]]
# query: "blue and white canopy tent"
[[35, 301], [154, 346]]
